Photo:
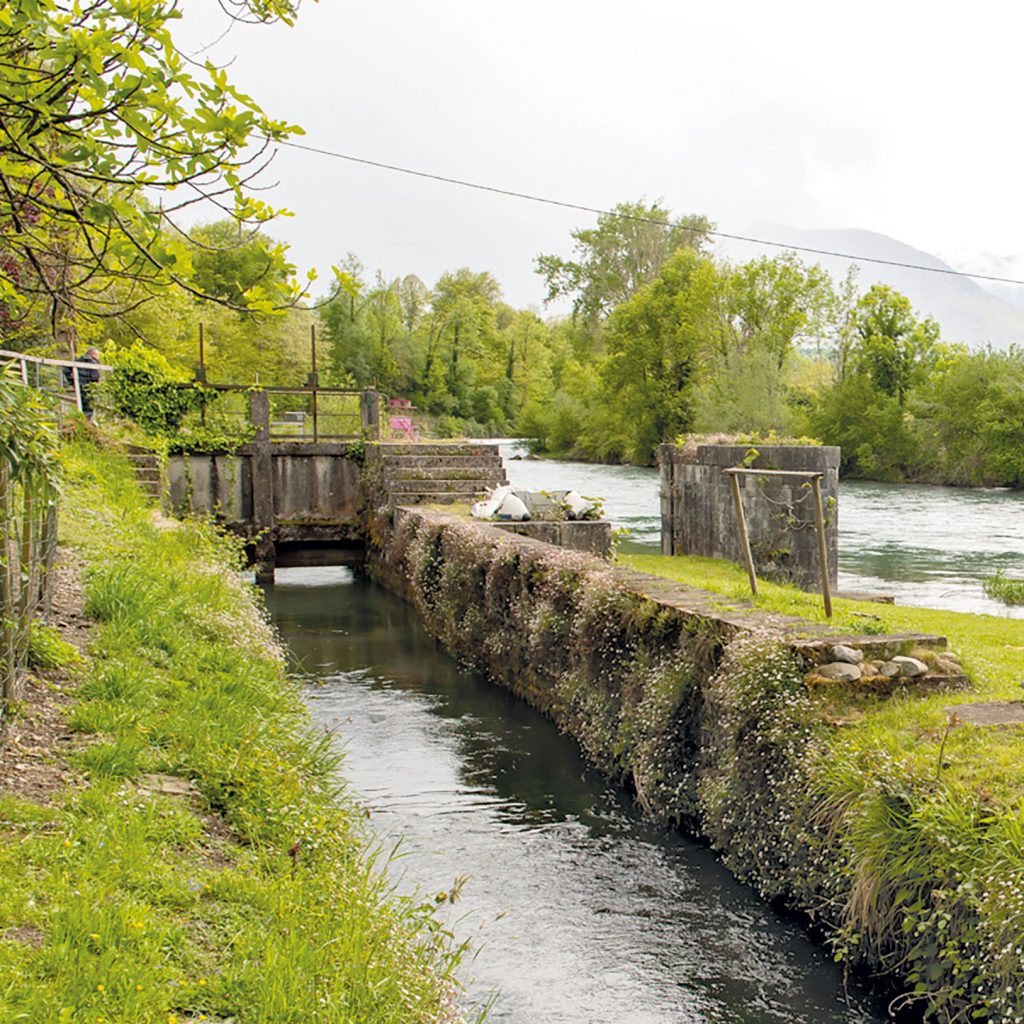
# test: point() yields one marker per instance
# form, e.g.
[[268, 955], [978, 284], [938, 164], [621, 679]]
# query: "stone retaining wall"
[[715, 716]]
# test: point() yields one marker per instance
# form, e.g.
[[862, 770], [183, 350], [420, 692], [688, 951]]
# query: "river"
[[578, 911], [927, 546]]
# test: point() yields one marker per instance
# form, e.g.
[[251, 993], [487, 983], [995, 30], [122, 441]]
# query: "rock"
[[840, 671], [169, 784], [910, 667], [848, 654]]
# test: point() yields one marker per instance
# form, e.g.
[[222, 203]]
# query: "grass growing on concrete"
[[922, 813], [907, 727], [207, 868]]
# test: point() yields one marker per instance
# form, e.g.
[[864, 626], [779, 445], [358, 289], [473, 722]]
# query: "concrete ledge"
[[592, 537]]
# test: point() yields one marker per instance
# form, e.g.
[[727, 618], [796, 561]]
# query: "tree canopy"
[[107, 133], [624, 252]]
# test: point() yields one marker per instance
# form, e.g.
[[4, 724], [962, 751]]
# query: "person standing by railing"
[[87, 377]]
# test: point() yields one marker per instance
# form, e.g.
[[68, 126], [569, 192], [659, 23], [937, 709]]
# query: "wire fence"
[[28, 525]]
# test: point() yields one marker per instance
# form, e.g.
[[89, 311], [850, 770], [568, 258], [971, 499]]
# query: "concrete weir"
[[304, 502], [699, 517], [296, 503]]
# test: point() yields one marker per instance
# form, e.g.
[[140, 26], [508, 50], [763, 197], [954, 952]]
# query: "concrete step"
[[385, 449], [437, 498], [434, 485], [494, 475], [440, 461]]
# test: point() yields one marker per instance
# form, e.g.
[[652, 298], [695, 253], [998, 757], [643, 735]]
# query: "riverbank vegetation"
[[200, 860], [1004, 588], [665, 337], [890, 818]]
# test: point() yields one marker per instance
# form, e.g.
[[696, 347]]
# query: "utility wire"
[[949, 271]]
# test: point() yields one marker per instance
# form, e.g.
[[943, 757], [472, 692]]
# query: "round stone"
[[910, 667], [848, 654], [840, 671]]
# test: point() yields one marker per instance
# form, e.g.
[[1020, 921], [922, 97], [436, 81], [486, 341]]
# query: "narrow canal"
[[578, 911]]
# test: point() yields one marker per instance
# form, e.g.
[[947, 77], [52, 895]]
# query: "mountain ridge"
[[967, 311]]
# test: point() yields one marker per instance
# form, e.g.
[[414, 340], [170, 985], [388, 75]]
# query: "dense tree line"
[[664, 339]]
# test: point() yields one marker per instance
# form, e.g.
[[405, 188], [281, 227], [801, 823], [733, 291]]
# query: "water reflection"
[[581, 912]]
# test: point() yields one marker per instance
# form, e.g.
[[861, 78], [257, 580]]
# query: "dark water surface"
[[928, 546], [580, 912]]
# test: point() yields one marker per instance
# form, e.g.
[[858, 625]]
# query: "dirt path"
[[33, 765]]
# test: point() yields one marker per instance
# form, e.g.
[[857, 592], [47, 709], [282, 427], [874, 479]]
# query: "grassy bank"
[[896, 827], [992, 649], [204, 866], [916, 819]]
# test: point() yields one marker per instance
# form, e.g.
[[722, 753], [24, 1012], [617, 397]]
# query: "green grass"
[[254, 899], [1005, 588], [992, 649]]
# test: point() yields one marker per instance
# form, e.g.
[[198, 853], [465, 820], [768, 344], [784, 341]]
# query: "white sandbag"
[[489, 506], [578, 506], [513, 510]]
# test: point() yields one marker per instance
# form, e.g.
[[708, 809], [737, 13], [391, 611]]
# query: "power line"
[[547, 201]]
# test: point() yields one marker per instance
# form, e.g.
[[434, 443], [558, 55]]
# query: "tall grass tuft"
[[210, 869], [1004, 588]]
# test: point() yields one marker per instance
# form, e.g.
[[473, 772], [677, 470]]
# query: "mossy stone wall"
[[710, 723]]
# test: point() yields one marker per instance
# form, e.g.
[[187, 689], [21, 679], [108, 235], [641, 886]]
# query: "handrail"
[[286, 389], [70, 363], [74, 365], [369, 397]]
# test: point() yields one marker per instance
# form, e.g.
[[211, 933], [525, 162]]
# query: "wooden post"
[[201, 372], [78, 386], [667, 478], [265, 553], [314, 382], [819, 515], [741, 522]]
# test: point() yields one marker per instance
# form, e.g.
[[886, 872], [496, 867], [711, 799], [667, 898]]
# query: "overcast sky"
[[899, 117]]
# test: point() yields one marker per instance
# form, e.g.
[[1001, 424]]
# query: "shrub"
[[144, 387]]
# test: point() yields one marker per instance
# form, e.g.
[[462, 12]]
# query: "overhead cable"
[[547, 201]]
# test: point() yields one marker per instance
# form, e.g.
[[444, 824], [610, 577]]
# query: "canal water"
[[578, 911], [927, 546]]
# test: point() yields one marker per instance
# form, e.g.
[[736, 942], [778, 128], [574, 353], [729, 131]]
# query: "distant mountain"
[[967, 312], [993, 265]]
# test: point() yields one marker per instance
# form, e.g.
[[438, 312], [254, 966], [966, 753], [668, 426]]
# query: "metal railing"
[[308, 413], [60, 377]]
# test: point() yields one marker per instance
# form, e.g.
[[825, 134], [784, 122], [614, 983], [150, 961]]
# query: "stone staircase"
[[147, 471], [414, 473]]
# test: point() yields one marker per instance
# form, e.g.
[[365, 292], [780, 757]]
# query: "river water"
[[927, 546], [577, 910]]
